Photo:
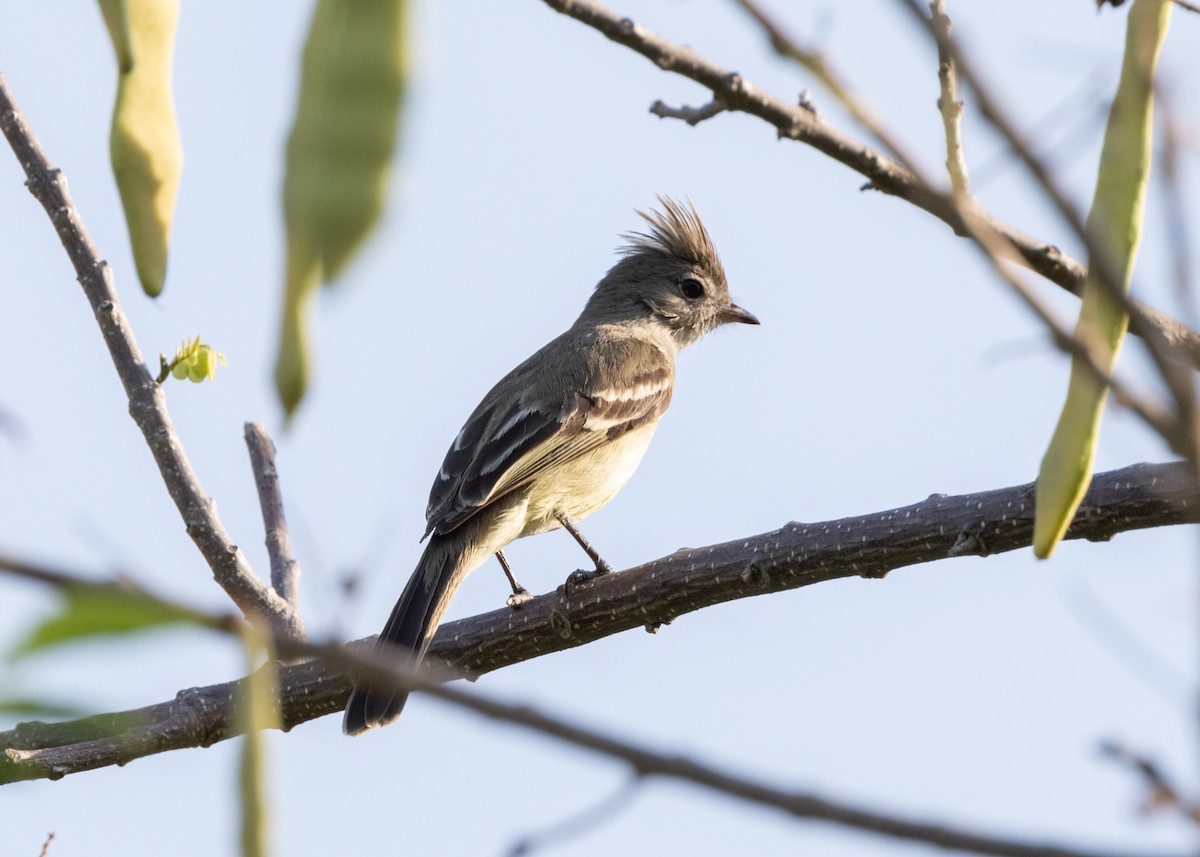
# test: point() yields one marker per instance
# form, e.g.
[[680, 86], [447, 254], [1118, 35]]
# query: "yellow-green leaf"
[[116, 19], [194, 360], [1114, 224], [147, 155], [257, 709], [338, 156], [292, 359]]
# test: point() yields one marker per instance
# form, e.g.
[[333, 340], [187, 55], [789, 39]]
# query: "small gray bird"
[[561, 434]]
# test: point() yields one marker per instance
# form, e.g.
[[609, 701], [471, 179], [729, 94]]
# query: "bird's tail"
[[409, 629]]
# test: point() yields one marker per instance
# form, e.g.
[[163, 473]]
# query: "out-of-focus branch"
[[1174, 431], [1161, 793], [1144, 495], [799, 123], [147, 403], [793, 556]]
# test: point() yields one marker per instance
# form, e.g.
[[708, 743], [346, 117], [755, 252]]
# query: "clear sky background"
[[889, 365]]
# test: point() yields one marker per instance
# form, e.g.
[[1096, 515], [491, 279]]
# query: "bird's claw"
[[518, 599], [580, 576]]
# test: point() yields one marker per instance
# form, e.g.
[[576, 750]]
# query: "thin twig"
[[801, 124], [46, 844], [950, 107], [1128, 648], [1161, 792], [285, 570], [147, 403], [576, 826], [1175, 202], [1166, 353], [940, 527], [1060, 131], [817, 65]]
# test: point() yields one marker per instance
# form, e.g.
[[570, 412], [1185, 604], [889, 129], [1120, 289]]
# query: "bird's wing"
[[507, 445]]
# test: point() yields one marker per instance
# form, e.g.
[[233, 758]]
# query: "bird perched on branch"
[[559, 435]]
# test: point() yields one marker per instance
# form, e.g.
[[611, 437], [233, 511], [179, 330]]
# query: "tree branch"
[[285, 570], [949, 105], [798, 123], [941, 527], [1166, 352], [147, 404]]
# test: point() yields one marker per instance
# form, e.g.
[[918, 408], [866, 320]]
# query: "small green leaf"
[[102, 610], [194, 360], [197, 368]]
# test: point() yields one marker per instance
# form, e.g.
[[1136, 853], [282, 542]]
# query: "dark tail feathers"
[[407, 632]]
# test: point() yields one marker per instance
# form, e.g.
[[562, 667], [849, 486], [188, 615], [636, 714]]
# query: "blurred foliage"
[[147, 155], [338, 158]]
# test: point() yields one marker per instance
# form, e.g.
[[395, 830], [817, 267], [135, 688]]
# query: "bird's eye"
[[692, 289]]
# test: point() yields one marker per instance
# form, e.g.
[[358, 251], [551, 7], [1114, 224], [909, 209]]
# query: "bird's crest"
[[676, 231]]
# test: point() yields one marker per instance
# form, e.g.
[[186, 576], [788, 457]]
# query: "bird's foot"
[[581, 576], [519, 598]]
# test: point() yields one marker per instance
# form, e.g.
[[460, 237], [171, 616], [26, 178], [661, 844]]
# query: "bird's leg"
[[579, 576], [520, 596]]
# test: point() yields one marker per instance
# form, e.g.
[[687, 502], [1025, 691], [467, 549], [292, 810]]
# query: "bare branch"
[[1144, 495], [801, 124], [817, 65], [949, 105], [147, 402], [643, 761], [1163, 349], [285, 570]]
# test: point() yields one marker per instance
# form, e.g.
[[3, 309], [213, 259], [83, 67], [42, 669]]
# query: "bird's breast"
[[582, 486]]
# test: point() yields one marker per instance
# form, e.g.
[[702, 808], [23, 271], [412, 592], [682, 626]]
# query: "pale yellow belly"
[[580, 487]]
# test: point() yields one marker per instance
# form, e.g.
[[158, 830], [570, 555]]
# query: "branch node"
[[691, 115]]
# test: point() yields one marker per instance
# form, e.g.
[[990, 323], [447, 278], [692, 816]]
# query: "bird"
[[557, 437]]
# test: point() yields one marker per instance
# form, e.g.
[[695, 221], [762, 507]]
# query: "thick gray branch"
[[941, 527], [147, 404]]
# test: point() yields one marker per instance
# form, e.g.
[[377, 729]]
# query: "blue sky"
[[889, 365]]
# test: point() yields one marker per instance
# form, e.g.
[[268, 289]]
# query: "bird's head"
[[669, 275]]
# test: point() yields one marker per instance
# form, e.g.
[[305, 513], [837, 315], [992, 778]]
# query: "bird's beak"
[[734, 313]]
